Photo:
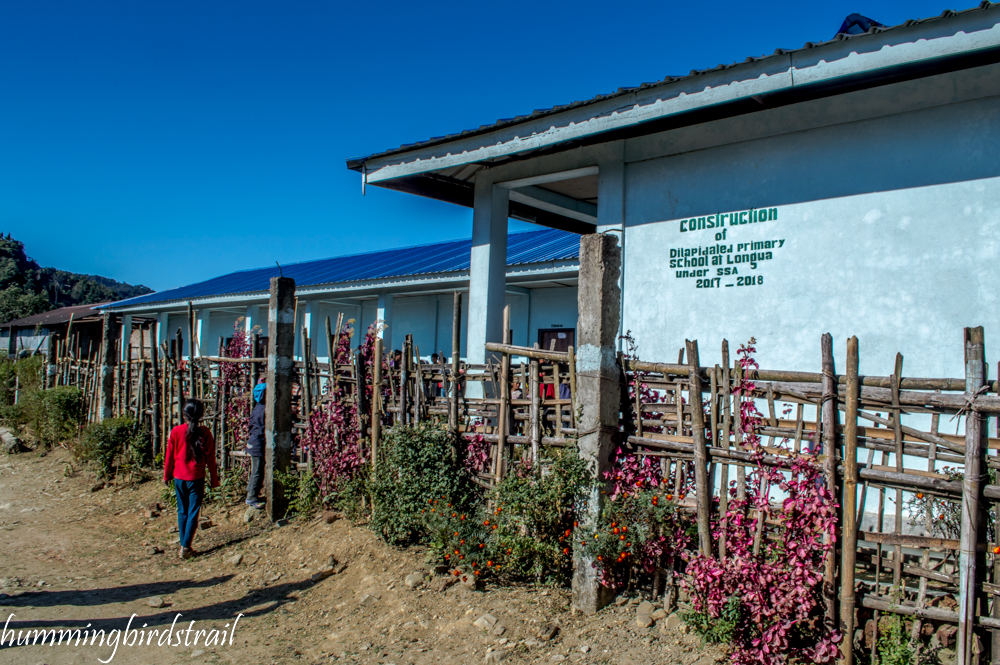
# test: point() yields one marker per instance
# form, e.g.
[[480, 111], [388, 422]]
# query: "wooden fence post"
[[456, 346], [376, 399], [849, 531], [306, 408], [503, 412], [179, 356], [971, 564], [157, 395], [192, 342], [829, 418], [599, 304], [50, 362], [703, 492], [106, 399], [278, 407]]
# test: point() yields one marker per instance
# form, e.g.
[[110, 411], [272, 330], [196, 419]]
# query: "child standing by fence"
[[190, 449]]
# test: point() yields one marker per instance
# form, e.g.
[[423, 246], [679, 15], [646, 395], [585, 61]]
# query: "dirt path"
[[76, 559]]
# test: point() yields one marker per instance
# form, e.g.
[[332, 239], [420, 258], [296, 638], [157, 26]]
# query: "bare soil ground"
[[72, 558]]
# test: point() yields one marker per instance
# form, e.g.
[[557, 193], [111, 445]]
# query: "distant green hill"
[[26, 288]]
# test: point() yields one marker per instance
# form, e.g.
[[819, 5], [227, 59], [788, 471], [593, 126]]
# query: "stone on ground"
[[548, 632], [11, 444], [322, 573], [235, 560], [644, 621], [155, 601], [485, 622]]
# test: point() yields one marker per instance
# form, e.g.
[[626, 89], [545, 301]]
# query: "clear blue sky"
[[167, 142]]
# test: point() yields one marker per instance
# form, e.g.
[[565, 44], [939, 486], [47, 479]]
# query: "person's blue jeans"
[[189, 495]]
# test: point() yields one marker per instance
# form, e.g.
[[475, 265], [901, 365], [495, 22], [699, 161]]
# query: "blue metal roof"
[[442, 257]]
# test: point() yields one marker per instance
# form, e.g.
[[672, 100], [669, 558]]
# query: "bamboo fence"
[[878, 440]]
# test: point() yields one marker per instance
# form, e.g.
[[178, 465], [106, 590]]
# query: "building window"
[[562, 337]]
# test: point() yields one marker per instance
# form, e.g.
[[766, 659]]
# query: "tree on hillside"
[[16, 303], [26, 288]]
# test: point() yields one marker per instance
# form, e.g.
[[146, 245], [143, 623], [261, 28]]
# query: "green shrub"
[[19, 380], [416, 466], [301, 490], [115, 442], [893, 642], [55, 414], [534, 516], [715, 630]]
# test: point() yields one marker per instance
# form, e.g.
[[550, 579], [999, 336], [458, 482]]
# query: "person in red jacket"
[[190, 449]]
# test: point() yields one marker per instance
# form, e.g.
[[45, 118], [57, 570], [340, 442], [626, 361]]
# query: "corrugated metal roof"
[[356, 163], [443, 257], [54, 316]]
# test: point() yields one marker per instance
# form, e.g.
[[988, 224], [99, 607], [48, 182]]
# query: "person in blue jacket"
[[255, 446]]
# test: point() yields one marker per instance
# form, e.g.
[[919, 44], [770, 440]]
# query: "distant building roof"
[[57, 316], [437, 258]]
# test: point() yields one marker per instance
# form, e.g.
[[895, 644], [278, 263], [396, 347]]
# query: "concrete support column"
[[307, 322], [278, 406], [162, 334], [199, 326], [383, 314], [126, 337], [598, 391], [611, 189], [248, 320], [611, 209], [488, 269], [106, 388]]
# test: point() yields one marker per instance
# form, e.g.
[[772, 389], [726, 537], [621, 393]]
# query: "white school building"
[[849, 186]]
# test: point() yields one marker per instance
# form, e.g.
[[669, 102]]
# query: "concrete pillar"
[[598, 391], [248, 320], [611, 191], [199, 326], [611, 210], [162, 332], [488, 269], [126, 337], [106, 388], [280, 374], [307, 322], [383, 314]]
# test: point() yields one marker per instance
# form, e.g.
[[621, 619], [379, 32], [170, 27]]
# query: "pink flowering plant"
[[334, 436], [764, 598], [236, 383]]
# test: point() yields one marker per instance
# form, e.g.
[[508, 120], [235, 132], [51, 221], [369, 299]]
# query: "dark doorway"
[[563, 338]]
